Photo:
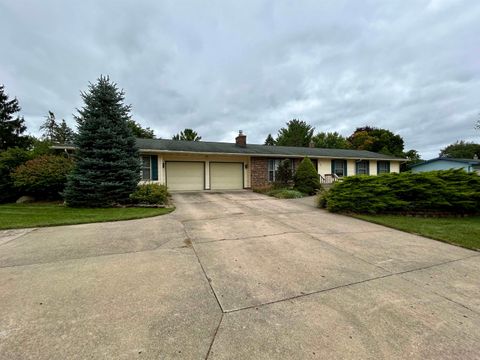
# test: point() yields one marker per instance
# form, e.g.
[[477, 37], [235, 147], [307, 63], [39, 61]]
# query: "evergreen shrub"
[[283, 174], [448, 191], [306, 178]]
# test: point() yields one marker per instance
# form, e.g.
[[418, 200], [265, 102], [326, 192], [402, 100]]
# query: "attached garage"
[[185, 175], [226, 175]]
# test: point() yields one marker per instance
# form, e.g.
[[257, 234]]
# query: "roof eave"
[[268, 155]]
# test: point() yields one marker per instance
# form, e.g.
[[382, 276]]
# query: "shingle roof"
[[253, 149], [464, 161]]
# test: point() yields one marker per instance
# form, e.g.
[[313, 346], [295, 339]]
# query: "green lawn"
[[464, 231], [14, 216]]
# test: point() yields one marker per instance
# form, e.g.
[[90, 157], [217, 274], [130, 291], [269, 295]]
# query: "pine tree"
[[52, 132], [107, 167], [140, 132], [297, 133], [64, 134], [306, 177], [11, 129], [269, 140]]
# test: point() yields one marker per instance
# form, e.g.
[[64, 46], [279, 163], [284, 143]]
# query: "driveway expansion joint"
[[355, 283], [207, 278]]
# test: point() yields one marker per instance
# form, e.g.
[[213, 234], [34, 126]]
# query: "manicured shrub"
[[451, 191], [285, 194], [43, 177], [152, 194], [306, 178]]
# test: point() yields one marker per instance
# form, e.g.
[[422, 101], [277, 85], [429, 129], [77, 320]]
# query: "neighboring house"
[[202, 165], [444, 163]]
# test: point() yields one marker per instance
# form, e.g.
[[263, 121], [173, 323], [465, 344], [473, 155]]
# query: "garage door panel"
[[185, 175], [226, 176]]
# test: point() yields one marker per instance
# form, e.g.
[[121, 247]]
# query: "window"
[[339, 167], [383, 167], [362, 167], [146, 168], [273, 165]]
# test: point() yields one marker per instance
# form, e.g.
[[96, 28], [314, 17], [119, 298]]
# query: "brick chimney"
[[241, 139]]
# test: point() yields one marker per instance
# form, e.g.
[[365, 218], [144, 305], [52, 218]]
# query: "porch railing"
[[329, 178]]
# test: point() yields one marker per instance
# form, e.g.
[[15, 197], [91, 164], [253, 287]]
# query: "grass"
[[14, 216], [463, 231]]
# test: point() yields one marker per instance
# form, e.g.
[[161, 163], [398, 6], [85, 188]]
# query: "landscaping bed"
[[14, 216]]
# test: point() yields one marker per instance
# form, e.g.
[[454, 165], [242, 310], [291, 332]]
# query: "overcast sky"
[[219, 66]]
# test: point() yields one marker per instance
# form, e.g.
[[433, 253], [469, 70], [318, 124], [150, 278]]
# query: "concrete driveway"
[[236, 276]]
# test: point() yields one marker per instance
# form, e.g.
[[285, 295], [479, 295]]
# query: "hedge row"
[[451, 191]]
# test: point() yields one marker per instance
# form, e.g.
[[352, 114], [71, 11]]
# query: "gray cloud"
[[410, 66]]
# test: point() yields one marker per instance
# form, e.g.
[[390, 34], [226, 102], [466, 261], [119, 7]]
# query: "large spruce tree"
[[107, 167]]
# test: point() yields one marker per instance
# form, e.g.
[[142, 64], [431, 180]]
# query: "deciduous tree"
[[377, 140], [330, 140], [461, 150]]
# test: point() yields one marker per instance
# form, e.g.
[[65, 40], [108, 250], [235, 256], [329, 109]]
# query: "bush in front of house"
[[150, 194], [306, 178], [450, 191], [43, 177]]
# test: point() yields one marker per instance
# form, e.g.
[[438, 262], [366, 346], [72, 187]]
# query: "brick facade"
[[259, 172]]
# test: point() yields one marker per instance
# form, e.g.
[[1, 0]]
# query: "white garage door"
[[226, 176], [184, 175]]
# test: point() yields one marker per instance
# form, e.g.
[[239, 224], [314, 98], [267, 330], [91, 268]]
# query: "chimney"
[[311, 144], [241, 139]]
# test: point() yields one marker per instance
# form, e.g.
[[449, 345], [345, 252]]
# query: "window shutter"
[[333, 165], [378, 167], [345, 167], [388, 166], [368, 166], [154, 165]]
